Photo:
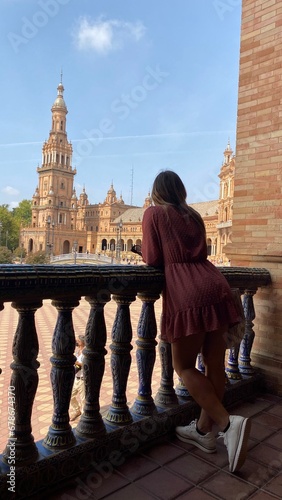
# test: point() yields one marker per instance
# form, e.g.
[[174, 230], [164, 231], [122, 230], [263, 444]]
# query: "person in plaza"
[[78, 392], [198, 309]]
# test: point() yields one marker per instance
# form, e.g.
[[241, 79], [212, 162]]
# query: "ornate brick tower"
[[55, 205], [225, 203]]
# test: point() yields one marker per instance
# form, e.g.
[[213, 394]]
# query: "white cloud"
[[10, 191], [14, 204], [103, 36]]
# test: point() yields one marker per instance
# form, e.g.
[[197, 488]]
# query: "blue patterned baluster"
[[232, 368], [246, 345], [91, 422], [166, 395], [181, 390], [60, 434], [118, 412], [146, 355], [200, 364], [23, 385]]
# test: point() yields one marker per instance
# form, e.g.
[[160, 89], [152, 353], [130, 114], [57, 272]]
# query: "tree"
[[22, 213], [9, 232], [20, 253], [6, 256], [39, 257], [11, 221]]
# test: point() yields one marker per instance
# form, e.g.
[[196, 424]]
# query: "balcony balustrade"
[[65, 452]]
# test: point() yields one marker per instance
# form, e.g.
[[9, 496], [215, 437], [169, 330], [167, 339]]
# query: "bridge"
[[82, 258]]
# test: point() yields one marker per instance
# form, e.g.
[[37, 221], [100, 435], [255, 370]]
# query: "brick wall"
[[257, 215]]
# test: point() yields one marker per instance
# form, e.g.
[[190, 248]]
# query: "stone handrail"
[[66, 449], [71, 257]]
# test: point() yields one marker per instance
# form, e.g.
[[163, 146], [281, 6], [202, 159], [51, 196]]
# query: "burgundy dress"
[[196, 297]]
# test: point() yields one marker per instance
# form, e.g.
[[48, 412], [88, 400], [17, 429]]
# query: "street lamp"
[[22, 247], [119, 229], [74, 251], [49, 244], [1, 225]]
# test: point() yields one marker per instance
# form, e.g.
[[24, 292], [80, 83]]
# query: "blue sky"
[[149, 85]]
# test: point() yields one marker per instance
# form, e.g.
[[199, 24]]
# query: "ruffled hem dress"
[[196, 296]]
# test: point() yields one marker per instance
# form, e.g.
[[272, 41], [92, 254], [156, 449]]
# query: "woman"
[[198, 309]]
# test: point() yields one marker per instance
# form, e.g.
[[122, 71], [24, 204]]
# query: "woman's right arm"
[[151, 244]]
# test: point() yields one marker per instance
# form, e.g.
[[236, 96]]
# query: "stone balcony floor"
[[170, 469], [175, 470]]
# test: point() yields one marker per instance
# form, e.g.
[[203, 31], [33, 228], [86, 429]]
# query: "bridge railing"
[[72, 257], [65, 452]]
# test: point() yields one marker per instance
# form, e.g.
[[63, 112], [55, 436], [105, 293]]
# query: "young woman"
[[198, 309]]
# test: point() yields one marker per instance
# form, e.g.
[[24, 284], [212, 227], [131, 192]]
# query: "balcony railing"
[[65, 452], [222, 224]]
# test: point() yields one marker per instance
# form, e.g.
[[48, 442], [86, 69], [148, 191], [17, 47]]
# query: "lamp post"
[[22, 247], [74, 251], [1, 225], [112, 252], [119, 229], [49, 244]]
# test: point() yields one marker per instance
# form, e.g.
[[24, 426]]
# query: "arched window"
[[104, 245]]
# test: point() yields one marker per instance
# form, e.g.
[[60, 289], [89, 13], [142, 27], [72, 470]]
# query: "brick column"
[[257, 209]]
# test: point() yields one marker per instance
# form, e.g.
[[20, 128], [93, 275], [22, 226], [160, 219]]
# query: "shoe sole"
[[195, 443], [242, 448]]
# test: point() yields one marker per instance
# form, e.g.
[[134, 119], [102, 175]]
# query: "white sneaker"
[[189, 434], [236, 441]]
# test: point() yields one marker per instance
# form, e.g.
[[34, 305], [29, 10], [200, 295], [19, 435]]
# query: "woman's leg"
[[207, 390], [213, 354], [200, 387]]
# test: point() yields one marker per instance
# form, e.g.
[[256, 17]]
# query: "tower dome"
[[59, 101]]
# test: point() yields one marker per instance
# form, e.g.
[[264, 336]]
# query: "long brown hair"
[[168, 189]]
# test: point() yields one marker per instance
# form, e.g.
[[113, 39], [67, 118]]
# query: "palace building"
[[63, 222]]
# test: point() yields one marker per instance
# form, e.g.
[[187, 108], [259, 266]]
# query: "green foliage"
[[39, 257], [22, 213], [6, 256], [9, 234], [11, 222], [19, 253]]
